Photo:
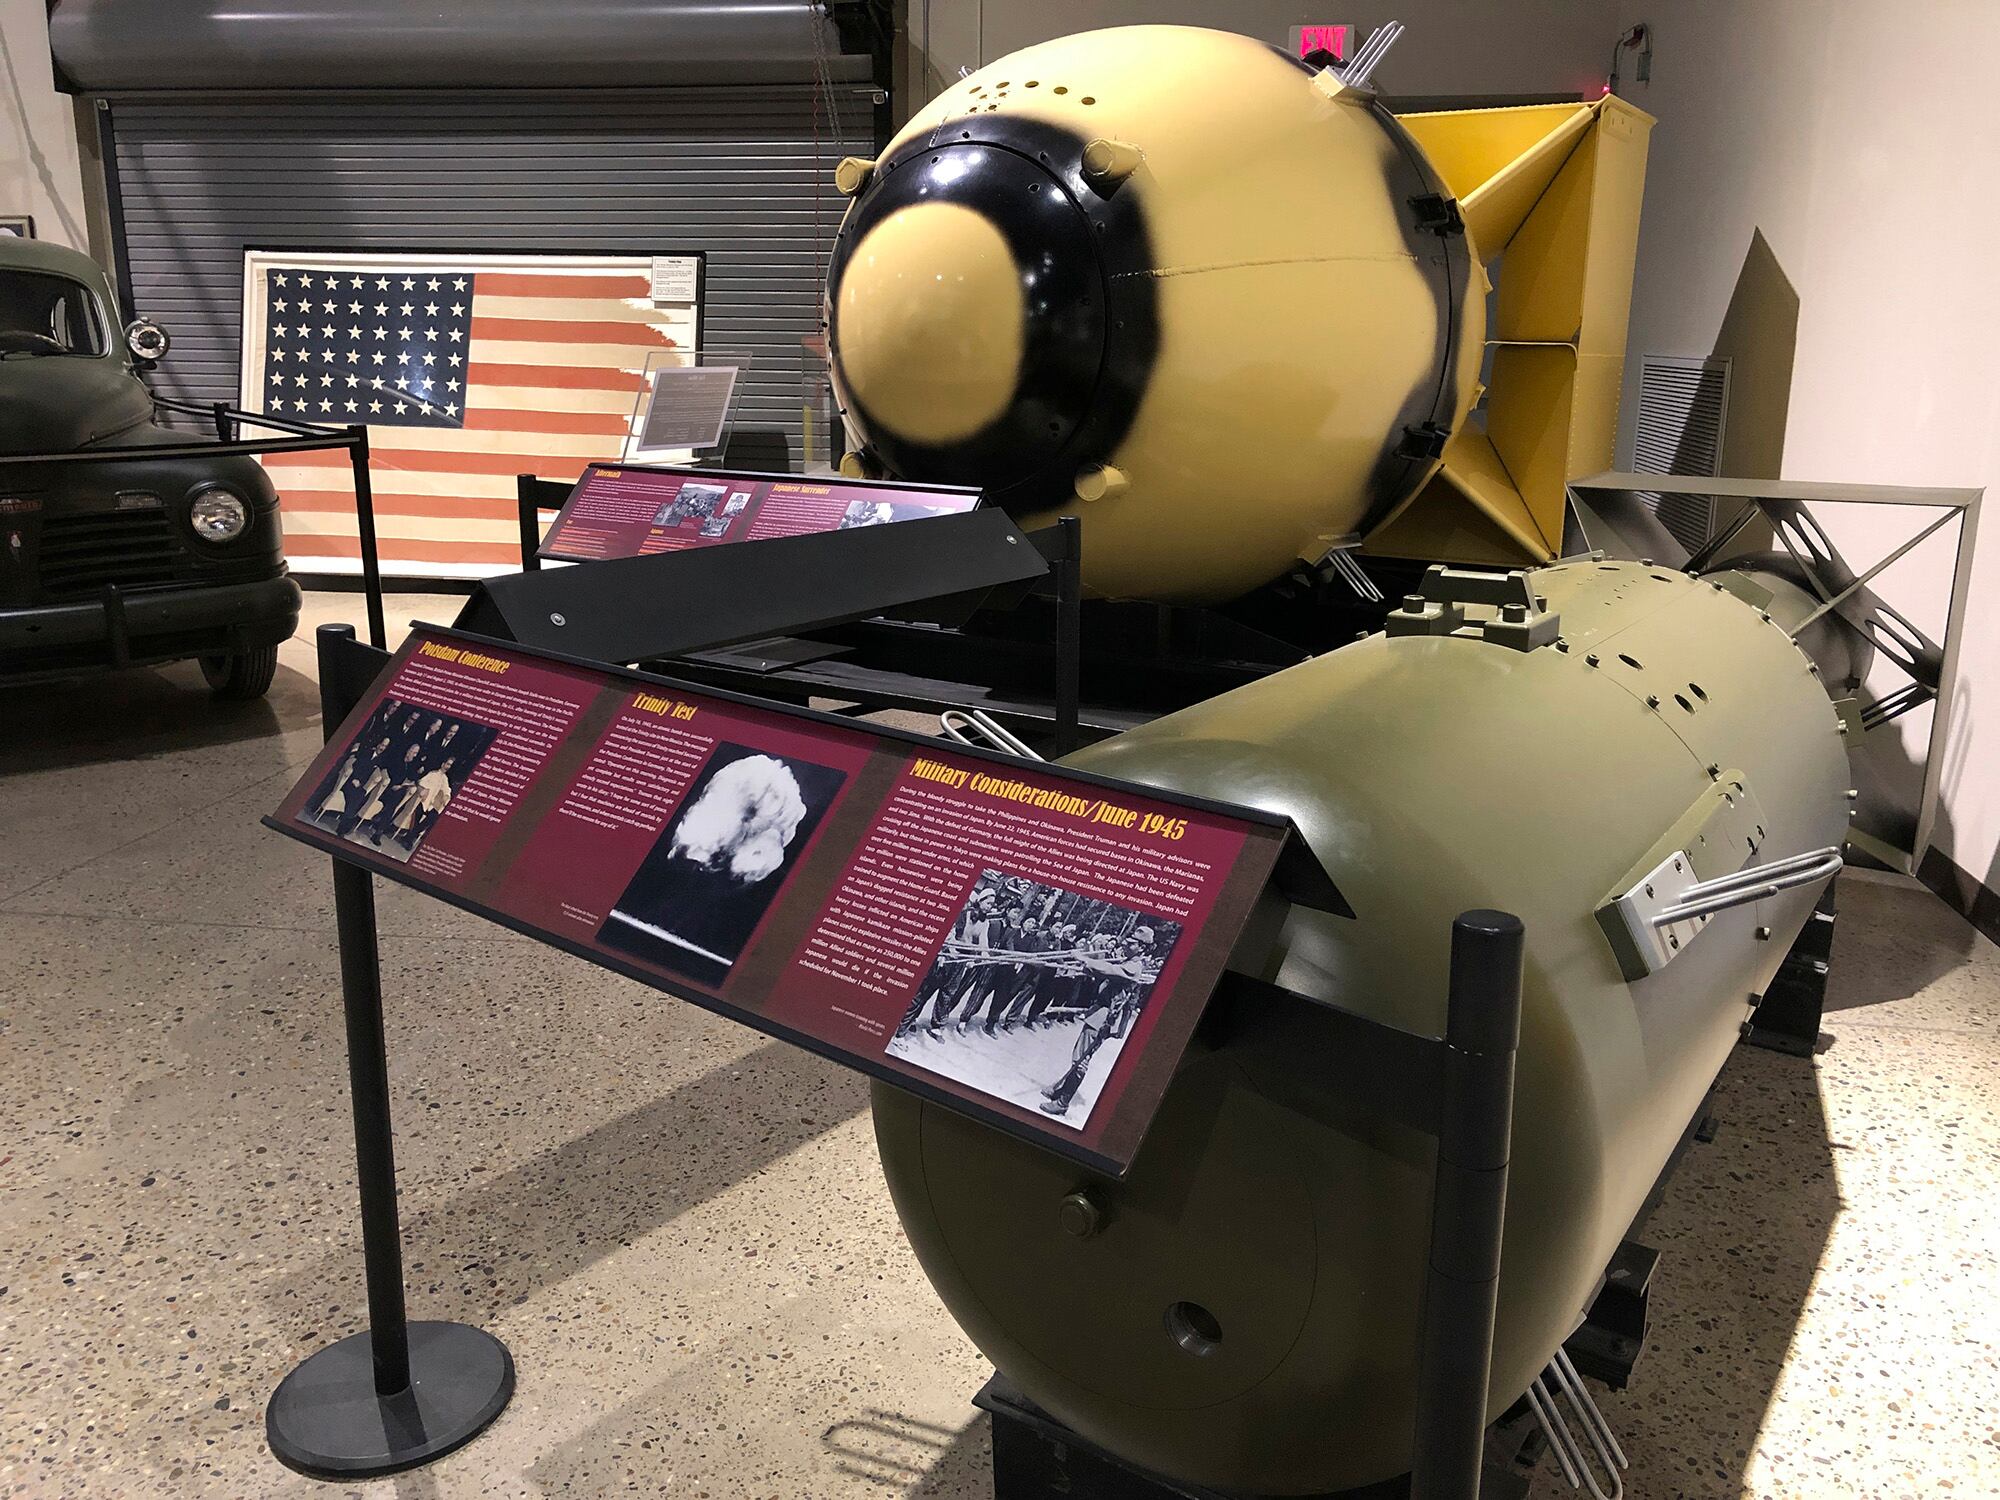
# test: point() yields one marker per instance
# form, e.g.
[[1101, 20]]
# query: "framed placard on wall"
[[468, 369]]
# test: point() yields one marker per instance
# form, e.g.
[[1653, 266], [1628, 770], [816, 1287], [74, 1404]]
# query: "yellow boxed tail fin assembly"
[[1551, 192]]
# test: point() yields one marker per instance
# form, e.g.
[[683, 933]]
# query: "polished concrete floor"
[[679, 1228]]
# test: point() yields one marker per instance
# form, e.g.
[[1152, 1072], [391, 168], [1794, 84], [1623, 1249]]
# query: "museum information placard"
[[627, 510], [1021, 942]]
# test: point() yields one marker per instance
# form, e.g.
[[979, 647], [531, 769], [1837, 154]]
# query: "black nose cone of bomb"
[[990, 316]]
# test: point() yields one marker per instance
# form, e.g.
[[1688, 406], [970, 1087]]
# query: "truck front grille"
[[134, 548]]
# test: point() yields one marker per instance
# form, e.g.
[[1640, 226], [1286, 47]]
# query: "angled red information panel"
[[1024, 943], [634, 510]]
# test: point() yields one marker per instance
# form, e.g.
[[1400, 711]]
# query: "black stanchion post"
[[400, 1393], [364, 517], [525, 486], [1069, 632], [374, 1143], [1468, 1206]]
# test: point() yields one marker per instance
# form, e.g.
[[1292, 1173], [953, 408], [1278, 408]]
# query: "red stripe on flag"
[[505, 419], [570, 331], [414, 459], [554, 377], [396, 549], [535, 284], [450, 507]]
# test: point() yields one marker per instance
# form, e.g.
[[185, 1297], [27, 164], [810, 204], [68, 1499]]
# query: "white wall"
[[1861, 145], [39, 174]]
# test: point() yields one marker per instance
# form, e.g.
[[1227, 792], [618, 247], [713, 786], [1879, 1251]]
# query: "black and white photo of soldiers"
[[1034, 993], [398, 777], [691, 502]]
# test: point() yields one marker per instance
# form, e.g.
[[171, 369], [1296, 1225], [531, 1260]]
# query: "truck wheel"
[[245, 675]]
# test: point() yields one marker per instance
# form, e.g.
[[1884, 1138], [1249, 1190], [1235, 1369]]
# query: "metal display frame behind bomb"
[[1614, 507], [400, 1393]]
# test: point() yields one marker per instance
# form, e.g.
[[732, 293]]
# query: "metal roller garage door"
[[742, 173]]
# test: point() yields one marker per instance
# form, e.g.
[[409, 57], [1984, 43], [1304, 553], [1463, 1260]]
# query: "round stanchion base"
[[325, 1418]]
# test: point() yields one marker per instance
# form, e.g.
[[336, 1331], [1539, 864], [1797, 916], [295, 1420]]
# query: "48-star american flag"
[[467, 370]]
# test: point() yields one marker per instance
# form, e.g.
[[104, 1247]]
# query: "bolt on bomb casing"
[[1160, 277], [1431, 773]]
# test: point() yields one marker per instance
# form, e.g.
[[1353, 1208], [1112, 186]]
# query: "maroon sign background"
[[628, 510], [1023, 943]]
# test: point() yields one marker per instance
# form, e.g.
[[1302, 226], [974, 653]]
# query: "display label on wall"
[[623, 510], [676, 278], [1023, 943]]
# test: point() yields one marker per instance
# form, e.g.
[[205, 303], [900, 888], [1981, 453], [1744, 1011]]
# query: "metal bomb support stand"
[[402, 1393]]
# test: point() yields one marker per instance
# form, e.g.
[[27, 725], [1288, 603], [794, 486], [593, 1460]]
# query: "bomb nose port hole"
[[1194, 1328]]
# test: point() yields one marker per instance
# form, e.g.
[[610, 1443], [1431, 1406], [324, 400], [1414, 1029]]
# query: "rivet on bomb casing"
[[555, 619], [1652, 700], [1590, 660]]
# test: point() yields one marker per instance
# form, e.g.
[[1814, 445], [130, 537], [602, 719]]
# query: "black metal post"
[[525, 486], [374, 1143], [1069, 632], [398, 1394], [1468, 1206], [364, 516]]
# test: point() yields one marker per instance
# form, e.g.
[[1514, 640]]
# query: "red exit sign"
[[1339, 40]]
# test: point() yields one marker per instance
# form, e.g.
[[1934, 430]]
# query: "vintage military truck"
[[130, 559]]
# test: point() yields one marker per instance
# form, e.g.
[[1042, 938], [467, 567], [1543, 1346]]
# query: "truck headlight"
[[217, 515], [146, 339]]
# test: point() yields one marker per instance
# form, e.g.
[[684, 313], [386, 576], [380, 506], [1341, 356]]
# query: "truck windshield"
[[46, 314]]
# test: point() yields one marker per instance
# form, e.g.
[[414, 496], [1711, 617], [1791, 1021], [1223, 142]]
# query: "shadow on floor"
[[1893, 941], [908, 1457], [130, 715], [1741, 1231], [487, 1249]]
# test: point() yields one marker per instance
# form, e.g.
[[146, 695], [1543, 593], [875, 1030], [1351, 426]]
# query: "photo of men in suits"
[[398, 777]]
